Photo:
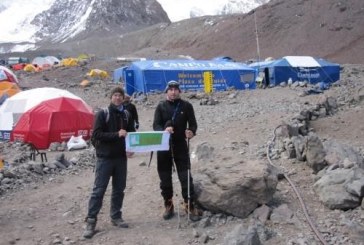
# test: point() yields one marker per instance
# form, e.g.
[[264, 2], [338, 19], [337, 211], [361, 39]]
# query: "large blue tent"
[[153, 75], [298, 68]]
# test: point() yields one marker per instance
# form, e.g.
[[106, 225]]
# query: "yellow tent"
[[83, 57], [31, 68], [8, 89], [69, 62], [98, 73]]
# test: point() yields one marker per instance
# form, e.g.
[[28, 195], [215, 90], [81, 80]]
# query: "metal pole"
[[175, 170], [188, 180], [256, 36]]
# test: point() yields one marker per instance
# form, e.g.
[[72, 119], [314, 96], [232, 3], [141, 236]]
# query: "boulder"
[[236, 188]]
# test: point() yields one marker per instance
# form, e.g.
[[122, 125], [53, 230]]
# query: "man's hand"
[[189, 134], [129, 154], [169, 130], [122, 133]]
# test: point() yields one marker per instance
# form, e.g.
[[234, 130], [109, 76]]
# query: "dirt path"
[[56, 210]]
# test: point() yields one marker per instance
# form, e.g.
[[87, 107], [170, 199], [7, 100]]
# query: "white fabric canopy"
[[302, 61]]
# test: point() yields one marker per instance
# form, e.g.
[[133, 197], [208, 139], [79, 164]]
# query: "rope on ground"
[[313, 227]]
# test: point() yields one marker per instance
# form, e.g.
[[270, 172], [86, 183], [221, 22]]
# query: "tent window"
[[247, 78]]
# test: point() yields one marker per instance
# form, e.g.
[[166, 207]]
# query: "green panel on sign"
[[146, 139]]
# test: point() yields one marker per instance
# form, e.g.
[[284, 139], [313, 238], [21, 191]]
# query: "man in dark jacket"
[[110, 129], [131, 108], [177, 117]]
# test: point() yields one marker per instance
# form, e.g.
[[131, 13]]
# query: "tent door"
[[129, 82], [266, 77]]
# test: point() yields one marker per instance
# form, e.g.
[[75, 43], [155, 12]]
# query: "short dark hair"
[[117, 90]]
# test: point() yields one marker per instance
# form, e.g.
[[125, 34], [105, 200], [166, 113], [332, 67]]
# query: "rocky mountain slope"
[[324, 28], [77, 20]]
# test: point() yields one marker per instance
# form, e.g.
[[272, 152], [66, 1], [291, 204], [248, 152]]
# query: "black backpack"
[[106, 113]]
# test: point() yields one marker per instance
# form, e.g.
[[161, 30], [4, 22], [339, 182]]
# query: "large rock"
[[341, 188], [236, 188], [337, 153], [315, 153]]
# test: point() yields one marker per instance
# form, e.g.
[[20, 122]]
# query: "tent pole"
[[256, 35]]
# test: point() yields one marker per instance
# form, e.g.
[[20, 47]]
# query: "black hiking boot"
[[90, 228], [169, 212], [193, 212], [119, 223]]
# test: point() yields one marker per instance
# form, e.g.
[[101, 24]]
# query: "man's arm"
[[99, 130], [136, 117], [158, 124], [191, 119]]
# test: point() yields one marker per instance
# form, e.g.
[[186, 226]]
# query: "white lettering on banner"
[[83, 132], [308, 75], [192, 64], [19, 137], [66, 135]]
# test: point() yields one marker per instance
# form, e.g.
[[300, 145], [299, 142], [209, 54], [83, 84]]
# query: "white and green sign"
[[147, 141]]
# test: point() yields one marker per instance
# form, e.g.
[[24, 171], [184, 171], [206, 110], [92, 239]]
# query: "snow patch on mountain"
[[184, 9], [16, 18]]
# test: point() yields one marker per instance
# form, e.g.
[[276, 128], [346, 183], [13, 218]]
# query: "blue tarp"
[[119, 75], [153, 75], [298, 68]]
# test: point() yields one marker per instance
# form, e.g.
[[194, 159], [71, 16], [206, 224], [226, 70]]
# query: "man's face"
[[173, 93], [117, 99]]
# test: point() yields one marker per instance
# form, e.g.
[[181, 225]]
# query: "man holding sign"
[[111, 127], [177, 117]]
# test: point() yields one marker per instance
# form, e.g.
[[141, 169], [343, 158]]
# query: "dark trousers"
[[106, 168], [178, 153]]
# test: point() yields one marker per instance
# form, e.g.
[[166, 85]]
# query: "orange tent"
[[7, 89]]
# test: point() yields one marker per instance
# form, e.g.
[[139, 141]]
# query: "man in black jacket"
[[110, 129], [177, 117]]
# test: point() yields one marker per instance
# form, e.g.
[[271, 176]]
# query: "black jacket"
[[184, 118], [131, 108], [105, 132]]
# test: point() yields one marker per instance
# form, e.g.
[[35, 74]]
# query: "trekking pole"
[[175, 170], [188, 181]]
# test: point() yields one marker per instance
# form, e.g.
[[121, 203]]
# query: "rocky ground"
[[50, 208]]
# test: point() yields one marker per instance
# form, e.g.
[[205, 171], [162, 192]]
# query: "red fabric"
[[10, 77], [17, 67], [54, 120]]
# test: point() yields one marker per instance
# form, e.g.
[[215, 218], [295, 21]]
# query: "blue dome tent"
[[298, 68]]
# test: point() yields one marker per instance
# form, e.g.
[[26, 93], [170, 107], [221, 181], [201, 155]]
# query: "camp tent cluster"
[[148, 76], [45, 115]]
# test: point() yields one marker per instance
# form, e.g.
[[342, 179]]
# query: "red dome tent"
[[55, 118]]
